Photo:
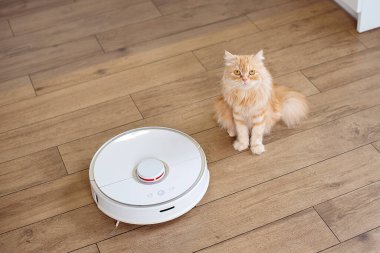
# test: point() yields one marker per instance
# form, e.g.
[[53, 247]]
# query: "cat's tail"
[[294, 107]]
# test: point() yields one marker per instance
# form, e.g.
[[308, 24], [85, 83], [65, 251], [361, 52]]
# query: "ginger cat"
[[251, 105]]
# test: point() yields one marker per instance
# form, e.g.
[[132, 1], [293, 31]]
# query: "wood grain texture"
[[180, 93], [318, 51], [77, 29], [367, 243], [302, 232], [370, 38], [142, 53], [377, 145], [353, 213], [67, 231], [285, 36], [59, 196], [288, 13], [297, 81], [14, 8], [65, 13], [206, 85], [23, 64], [253, 207], [344, 70], [16, 89], [5, 30], [89, 249], [97, 91], [31, 170], [190, 119], [292, 153], [244, 6], [67, 127], [163, 26], [324, 107]]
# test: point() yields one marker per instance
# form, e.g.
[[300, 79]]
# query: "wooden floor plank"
[[354, 213], [15, 90], [180, 93], [281, 37], [89, 249], [77, 29], [254, 207], [216, 143], [25, 207], [14, 8], [190, 119], [367, 243], [163, 26], [97, 91], [324, 107], [76, 10], [289, 13], [292, 153], [344, 70], [5, 30], [31, 170], [67, 127], [24, 64], [67, 231], [142, 53], [370, 38], [167, 7], [317, 51], [206, 85], [302, 232]]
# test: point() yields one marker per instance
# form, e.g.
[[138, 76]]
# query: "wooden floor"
[[74, 73]]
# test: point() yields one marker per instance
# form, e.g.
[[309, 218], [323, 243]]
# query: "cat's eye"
[[237, 72], [252, 72]]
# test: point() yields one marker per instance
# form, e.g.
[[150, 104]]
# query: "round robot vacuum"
[[148, 175]]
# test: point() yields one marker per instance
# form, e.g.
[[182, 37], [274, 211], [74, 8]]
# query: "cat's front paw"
[[231, 133], [258, 149], [239, 146]]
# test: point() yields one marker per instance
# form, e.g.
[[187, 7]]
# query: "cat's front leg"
[[257, 134], [242, 141]]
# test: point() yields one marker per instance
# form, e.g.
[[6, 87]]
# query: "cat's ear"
[[229, 58], [260, 56]]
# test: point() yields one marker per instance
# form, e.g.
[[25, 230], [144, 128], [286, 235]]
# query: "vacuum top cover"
[[148, 166]]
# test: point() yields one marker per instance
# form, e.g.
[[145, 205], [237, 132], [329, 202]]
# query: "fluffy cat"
[[251, 105]]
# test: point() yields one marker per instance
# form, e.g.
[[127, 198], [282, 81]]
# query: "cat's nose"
[[244, 78]]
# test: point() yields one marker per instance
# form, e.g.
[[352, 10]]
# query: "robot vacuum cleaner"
[[148, 175]]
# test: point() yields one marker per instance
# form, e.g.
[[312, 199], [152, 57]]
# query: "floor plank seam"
[[66, 113], [10, 28], [73, 20], [196, 57], [327, 224], [63, 162], [349, 239], [31, 82], [35, 222], [138, 109], [179, 53], [158, 9], [373, 144], [311, 82], [230, 194], [296, 132], [249, 231], [100, 44]]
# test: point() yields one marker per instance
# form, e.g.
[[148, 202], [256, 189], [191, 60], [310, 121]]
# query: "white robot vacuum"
[[148, 175]]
